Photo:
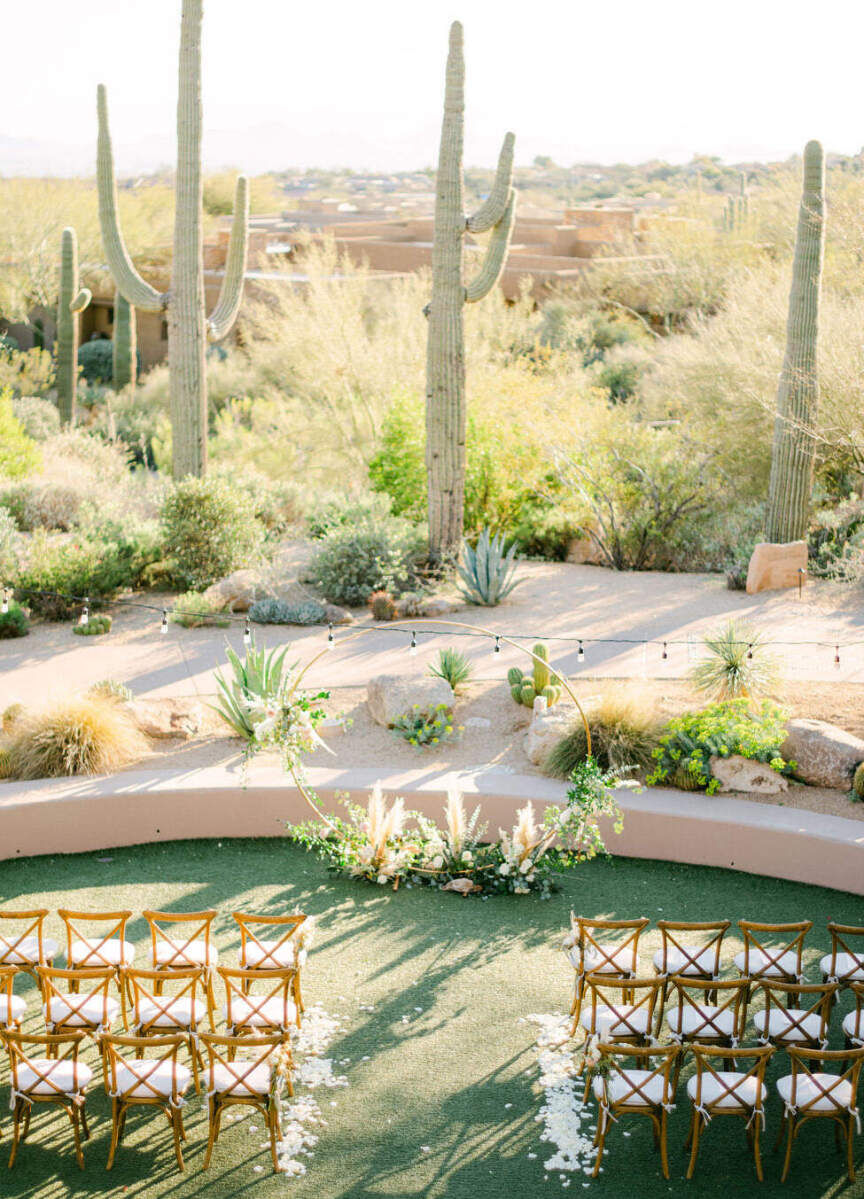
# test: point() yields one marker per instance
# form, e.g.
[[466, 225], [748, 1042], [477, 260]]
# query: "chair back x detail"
[[25, 946], [85, 1005], [179, 940], [802, 1020], [737, 1092], [109, 948], [845, 962]]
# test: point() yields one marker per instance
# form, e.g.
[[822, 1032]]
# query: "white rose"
[[525, 866], [437, 862], [504, 868], [382, 879], [468, 856], [364, 854]]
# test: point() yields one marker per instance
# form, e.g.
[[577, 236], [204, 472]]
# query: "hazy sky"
[[360, 84]]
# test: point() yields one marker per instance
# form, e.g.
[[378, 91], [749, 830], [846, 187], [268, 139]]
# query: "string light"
[[4, 607], [664, 655], [412, 648], [164, 628], [750, 650], [331, 640], [580, 656], [84, 618], [497, 643], [837, 656], [247, 634]]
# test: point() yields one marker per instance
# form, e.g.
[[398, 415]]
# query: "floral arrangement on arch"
[[385, 843]]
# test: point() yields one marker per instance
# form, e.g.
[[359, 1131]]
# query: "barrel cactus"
[[525, 688], [189, 328], [798, 391], [73, 299], [124, 361], [445, 354]]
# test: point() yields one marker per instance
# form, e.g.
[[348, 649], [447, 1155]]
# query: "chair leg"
[[28, 1112], [16, 1131], [697, 1132], [757, 1156], [115, 1130], [83, 1112], [781, 1132], [175, 1129], [788, 1156], [664, 1156], [271, 1120], [73, 1116], [215, 1114], [850, 1156], [601, 1142]]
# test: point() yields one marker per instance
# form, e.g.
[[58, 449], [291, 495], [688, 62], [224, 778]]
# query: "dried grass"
[[79, 735]]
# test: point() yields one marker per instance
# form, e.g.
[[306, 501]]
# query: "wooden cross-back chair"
[[726, 1092], [845, 963], [272, 1009], [277, 951], [26, 945], [808, 1093], [140, 1081], [108, 949], [86, 1005], [247, 1079], [179, 940], [710, 1011], [620, 1009], [615, 955], [688, 948], [51, 1077], [853, 1022], [643, 1089], [12, 1006], [761, 960], [802, 1020], [157, 1014]]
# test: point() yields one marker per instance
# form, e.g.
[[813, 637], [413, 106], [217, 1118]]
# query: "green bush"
[[11, 546], [339, 511], [375, 555], [858, 782], [721, 730], [28, 373], [836, 541], [14, 623], [277, 611], [194, 611], [59, 567], [39, 418], [96, 359], [19, 454], [210, 529], [96, 625], [43, 505]]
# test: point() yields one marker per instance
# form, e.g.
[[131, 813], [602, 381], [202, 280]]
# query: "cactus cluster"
[[383, 606], [446, 416], [736, 215], [73, 299], [526, 688]]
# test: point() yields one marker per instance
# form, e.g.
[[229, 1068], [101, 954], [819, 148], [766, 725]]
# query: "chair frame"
[[796, 945], [238, 989], [190, 978], [658, 1113], [7, 983], [22, 1101], [596, 984], [118, 921], [851, 1061], [203, 924], [669, 941], [218, 1101], [122, 1101], [708, 1033], [826, 997], [583, 928], [703, 1112], [839, 932], [103, 977], [37, 917], [857, 990], [291, 923]]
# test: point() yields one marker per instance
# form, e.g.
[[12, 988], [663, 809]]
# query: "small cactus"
[[515, 676], [383, 606], [858, 782], [541, 668], [525, 688]]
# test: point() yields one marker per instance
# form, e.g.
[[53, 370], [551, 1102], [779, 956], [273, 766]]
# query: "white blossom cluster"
[[568, 1123], [313, 1070]]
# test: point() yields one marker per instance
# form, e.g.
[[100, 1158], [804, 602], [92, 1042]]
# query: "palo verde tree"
[[446, 417], [72, 300], [189, 328], [793, 450]]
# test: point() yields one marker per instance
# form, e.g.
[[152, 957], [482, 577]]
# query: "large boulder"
[[776, 567], [333, 614], [237, 591], [825, 755], [164, 718], [742, 774], [548, 727], [390, 696]]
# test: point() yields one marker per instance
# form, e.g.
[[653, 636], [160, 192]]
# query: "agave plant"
[[258, 679], [486, 571], [739, 663]]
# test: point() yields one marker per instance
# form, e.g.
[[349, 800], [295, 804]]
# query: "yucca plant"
[[487, 573], [452, 666], [739, 663]]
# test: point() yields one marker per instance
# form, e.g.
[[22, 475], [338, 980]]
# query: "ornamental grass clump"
[[80, 735], [272, 610], [858, 782], [739, 663], [723, 730], [95, 626], [625, 730], [453, 667]]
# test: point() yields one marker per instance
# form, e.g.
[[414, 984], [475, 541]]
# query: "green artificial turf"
[[457, 1076]]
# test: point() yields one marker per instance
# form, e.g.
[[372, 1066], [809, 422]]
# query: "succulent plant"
[[271, 610], [525, 688], [95, 626], [73, 299], [124, 360], [383, 606], [486, 571]]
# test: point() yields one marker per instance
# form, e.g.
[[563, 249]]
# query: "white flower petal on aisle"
[[313, 1069], [568, 1124]]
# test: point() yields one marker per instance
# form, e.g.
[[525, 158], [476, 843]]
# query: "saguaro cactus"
[[798, 389], [188, 326], [445, 354], [72, 301], [124, 357]]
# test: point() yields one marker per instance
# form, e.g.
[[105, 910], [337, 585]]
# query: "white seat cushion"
[[78, 1011], [620, 1085], [687, 1021], [179, 954], [131, 1082], [746, 1092], [781, 1025], [806, 1091], [844, 966], [69, 1077], [256, 1082], [676, 963], [786, 964], [26, 951], [608, 1024], [269, 955], [619, 961], [178, 1013], [257, 1013], [92, 952], [853, 1025], [12, 1012]]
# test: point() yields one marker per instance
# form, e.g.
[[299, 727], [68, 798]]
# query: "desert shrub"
[[836, 541], [621, 371], [545, 531], [278, 611], [95, 359], [11, 546], [279, 504], [383, 606], [12, 713], [209, 530], [739, 662], [486, 572], [39, 418], [111, 689], [80, 735], [340, 511], [194, 611], [452, 666], [375, 555], [858, 782], [721, 730], [57, 567], [27, 373], [625, 730], [96, 625], [14, 623], [35, 505], [19, 454], [421, 728]]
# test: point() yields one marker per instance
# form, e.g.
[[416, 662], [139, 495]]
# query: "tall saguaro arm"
[[495, 257], [494, 206], [224, 315]]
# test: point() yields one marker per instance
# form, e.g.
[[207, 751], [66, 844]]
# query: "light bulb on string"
[[750, 650], [497, 643], [164, 626], [837, 656], [331, 640], [665, 653], [247, 634], [84, 618], [580, 656], [4, 607], [412, 648]]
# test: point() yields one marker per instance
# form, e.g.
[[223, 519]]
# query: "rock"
[[390, 696], [437, 606], [179, 718], [742, 774], [547, 728], [237, 591], [333, 614], [825, 755], [584, 552], [776, 567]]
